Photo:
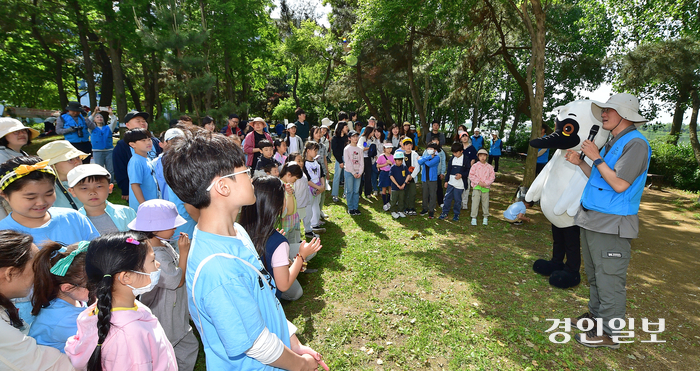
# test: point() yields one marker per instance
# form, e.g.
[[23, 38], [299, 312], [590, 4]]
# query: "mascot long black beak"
[[564, 136]]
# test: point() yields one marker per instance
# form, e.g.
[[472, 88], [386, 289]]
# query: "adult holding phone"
[[75, 128]]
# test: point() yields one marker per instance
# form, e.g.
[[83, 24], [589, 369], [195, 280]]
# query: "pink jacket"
[[482, 173], [249, 145], [136, 342]]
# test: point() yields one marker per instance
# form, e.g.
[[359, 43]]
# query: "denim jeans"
[[352, 191], [104, 159], [453, 195], [339, 173], [375, 177]]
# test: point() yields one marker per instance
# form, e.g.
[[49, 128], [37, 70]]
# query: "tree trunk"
[[537, 37], [119, 90], [107, 88], [504, 116], [386, 107], [693, 127], [83, 31], [135, 97], [58, 60], [678, 116], [411, 83], [426, 95], [294, 87], [516, 122], [361, 89], [228, 83]]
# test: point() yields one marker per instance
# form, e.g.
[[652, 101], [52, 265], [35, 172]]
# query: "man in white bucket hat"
[[608, 214]]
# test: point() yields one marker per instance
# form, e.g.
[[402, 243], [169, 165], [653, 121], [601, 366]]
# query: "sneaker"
[[386, 206], [574, 321], [318, 229], [412, 212], [323, 216], [455, 219], [441, 205], [423, 212], [442, 216], [486, 221], [473, 221], [336, 199], [376, 194], [592, 340], [311, 235], [357, 212], [431, 215], [518, 223], [320, 223], [402, 214], [394, 215]]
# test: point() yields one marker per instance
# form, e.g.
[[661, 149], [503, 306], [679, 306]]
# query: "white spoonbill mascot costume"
[[559, 187]]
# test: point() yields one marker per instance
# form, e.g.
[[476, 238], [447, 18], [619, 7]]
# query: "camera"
[[79, 131]]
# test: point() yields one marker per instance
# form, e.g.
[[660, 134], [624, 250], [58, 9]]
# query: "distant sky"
[[601, 94], [321, 10]]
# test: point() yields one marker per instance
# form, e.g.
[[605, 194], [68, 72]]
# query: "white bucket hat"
[[81, 172], [626, 105], [326, 122], [9, 125]]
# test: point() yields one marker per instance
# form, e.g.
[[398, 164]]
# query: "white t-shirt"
[[457, 183], [293, 145]]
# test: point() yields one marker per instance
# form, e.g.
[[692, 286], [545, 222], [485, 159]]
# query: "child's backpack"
[[372, 151]]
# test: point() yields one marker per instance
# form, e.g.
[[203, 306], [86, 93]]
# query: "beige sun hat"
[[59, 150], [626, 105], [326, 122], [9, 125]]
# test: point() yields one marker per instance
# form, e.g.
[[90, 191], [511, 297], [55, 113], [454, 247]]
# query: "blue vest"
[[270, 246], [70, 122], [544, 157], [495, 149], [600, 196]]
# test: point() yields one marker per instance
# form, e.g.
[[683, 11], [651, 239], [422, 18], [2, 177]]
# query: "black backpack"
[[372, 151]]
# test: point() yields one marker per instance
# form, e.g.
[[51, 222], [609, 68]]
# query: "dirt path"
[[663, 280]]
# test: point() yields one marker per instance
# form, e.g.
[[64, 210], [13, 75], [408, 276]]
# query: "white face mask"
[[430, 151], [154, 276]]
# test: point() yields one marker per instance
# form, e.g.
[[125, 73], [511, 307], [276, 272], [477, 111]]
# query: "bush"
[[676, 163]]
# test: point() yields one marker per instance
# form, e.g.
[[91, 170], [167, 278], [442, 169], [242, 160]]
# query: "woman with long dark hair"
[[338, 143], [260, 220]]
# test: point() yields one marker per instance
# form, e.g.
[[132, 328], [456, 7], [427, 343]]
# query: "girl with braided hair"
[[18, 351], [118, 332]]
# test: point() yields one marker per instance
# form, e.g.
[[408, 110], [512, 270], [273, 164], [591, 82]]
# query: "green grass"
[[419, 294]]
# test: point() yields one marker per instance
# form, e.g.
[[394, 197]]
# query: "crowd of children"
[[102, 286]]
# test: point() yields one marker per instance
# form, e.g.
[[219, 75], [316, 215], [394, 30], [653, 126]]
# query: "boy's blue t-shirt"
[[66, 227], [399, 173], [55, 324], [141, 172], [513, 210], [233, 304]]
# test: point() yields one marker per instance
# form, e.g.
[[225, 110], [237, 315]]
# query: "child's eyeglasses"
[[246, 171]]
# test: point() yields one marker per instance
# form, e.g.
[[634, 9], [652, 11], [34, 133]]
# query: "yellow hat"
[[9, 125], [60, 150]]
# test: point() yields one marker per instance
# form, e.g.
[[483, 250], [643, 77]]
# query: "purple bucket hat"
[[156, 215]]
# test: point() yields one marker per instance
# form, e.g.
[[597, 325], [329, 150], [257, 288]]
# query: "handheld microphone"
[[591, 136]]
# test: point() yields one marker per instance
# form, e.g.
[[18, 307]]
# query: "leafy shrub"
[[676, 163]]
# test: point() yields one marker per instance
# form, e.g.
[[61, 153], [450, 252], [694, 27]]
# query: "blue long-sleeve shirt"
[[429, 164]]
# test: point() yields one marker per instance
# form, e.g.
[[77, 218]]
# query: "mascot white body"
[[559, 187]]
